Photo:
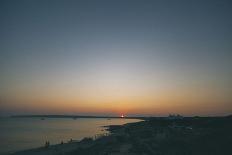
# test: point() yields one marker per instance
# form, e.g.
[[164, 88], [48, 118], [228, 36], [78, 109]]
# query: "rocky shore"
[[154, 136]]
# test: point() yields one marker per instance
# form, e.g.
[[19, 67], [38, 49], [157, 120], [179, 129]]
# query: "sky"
[[112, 57]]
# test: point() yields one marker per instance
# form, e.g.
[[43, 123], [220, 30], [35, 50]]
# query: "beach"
[[190, 135]]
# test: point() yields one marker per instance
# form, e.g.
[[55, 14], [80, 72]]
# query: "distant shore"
[[74, 116], [192, 135]]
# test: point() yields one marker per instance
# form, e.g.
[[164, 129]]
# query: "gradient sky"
[[136, 57]]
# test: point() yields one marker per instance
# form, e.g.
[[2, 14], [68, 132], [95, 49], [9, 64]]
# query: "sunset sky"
[[112, 57]]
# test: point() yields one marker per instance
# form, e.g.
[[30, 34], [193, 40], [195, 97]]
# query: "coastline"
[[19, 134], [68, 147], [195, 135]]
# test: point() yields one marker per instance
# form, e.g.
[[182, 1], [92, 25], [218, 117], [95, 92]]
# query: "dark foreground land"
[[155, 136]]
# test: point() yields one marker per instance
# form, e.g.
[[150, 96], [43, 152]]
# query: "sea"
[[18, 134]]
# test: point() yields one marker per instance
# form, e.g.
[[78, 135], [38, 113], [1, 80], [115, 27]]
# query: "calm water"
[[24, 133]]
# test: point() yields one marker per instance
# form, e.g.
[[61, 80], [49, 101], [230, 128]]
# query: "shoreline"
[[195, 135], [67, 147], [71, 145], [19, 134]]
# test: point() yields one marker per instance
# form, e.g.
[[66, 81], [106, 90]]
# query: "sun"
[[122, 116]]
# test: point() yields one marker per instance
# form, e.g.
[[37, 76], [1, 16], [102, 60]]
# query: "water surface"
[[25, 133]]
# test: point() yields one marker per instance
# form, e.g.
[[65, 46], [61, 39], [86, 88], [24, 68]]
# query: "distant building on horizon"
[[174, 117]]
